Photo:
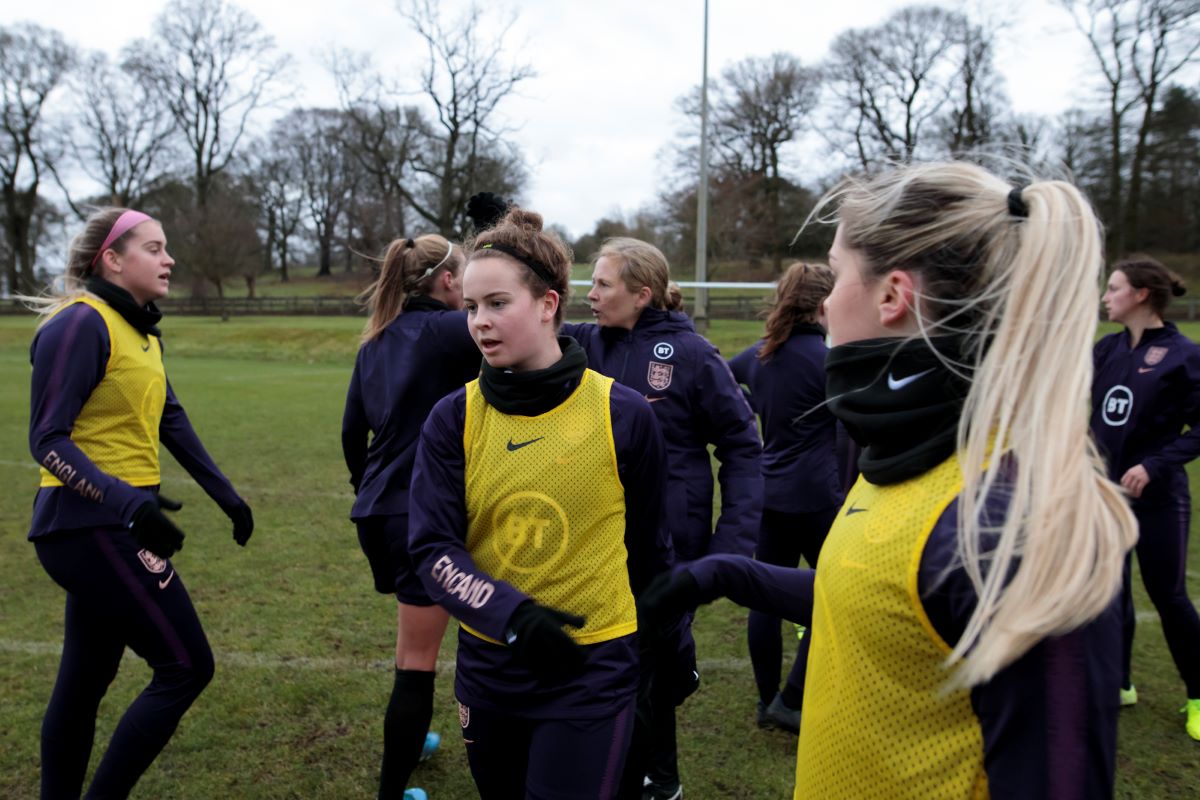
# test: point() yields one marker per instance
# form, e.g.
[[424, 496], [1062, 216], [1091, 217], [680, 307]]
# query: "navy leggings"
[[1162, 556], [117, 595], [545, 759], [782, 539]]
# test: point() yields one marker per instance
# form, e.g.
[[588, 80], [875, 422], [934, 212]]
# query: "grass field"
[[302, 644]]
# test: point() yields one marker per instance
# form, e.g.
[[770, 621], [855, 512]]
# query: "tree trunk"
[[1133, 207], [325, 257], [283, 258], [1116, 221]]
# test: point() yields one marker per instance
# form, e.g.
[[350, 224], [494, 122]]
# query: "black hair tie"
[[1016, 205], [409, 243]]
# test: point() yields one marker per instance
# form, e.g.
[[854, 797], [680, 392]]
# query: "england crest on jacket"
[[659, 375]]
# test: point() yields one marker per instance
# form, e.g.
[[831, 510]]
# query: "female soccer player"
[[785, 372], [964, 627], [536, 503], [101, 404], [1147, 388], [645, 342], [416, 349]]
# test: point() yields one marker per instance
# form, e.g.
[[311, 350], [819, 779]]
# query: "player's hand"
[[243, 522], [667, 597], [153, 530], [536, 635], [485, 210], [1134, 480]]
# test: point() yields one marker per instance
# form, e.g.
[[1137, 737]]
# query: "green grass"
[[303, 645]]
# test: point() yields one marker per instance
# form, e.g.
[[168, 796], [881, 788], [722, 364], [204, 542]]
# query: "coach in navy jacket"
[[698, 403]]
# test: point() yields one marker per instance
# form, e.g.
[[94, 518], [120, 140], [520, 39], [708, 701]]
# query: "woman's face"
[[613, 304], [144, 268], [1121, 299], [512, 328], [851, 309]]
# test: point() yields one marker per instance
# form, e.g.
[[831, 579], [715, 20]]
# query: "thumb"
[[168, 503], [567, 618]]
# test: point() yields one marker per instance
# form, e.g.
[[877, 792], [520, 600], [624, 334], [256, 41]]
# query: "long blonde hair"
[[1019, 273], [410, 266]]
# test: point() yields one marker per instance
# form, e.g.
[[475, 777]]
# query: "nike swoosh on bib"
[[518, 445], [896, 384]]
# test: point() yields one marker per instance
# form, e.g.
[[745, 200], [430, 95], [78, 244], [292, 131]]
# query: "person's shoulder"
[[622, 396], [75, 319], [449, 412]]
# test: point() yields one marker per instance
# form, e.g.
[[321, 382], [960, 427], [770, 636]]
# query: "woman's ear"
[[550, 301], [896, 298], [644, 296]]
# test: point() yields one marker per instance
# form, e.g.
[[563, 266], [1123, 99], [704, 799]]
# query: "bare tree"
[[213, 67], [890, 82], [1138, 45], [465, 81], [384, 137], [33, 63], [314, 142], [976, 103], [122, 134], [275, 178]]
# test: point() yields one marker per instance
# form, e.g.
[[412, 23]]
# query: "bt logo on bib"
[[1117, 407]]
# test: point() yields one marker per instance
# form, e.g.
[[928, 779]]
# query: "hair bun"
[[530, 220], [1178, 288]]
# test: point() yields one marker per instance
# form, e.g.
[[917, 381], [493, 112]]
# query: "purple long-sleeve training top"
[[1142, 399], [1049, 720], [487, 675], [799, 458], [69, 354], [419, 358]]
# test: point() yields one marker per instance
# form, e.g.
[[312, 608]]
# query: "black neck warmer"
[[898, 398], [529, 394], [423, 302], [144, 318]]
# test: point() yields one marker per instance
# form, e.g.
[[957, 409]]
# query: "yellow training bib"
[[546, 508], [877, 722], [117, 428]]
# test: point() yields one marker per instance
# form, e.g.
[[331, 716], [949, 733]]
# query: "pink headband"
[[124, 222]]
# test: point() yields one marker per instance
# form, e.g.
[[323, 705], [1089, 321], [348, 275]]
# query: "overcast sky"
[[594, 121]]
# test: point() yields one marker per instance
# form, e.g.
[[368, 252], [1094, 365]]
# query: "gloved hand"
[[666, 598], [153, 530], [536, 635], [486, 209], [243, 522]]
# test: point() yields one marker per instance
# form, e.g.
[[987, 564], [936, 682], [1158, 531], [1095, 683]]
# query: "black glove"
[[666, 598], [485, 210], [536, 635], [243, 523], [153, 530]]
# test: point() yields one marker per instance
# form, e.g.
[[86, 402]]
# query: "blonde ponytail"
[[1020, 276]]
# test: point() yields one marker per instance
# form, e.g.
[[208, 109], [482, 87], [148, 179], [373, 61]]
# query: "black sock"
[[792, 698], [404, 727]]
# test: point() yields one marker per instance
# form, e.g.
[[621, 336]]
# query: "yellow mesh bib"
[[117, 428], [877, 723], [546, 509]]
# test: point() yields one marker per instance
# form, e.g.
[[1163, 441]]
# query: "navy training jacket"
[[419, 358], [799, 460], [698, 402]]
